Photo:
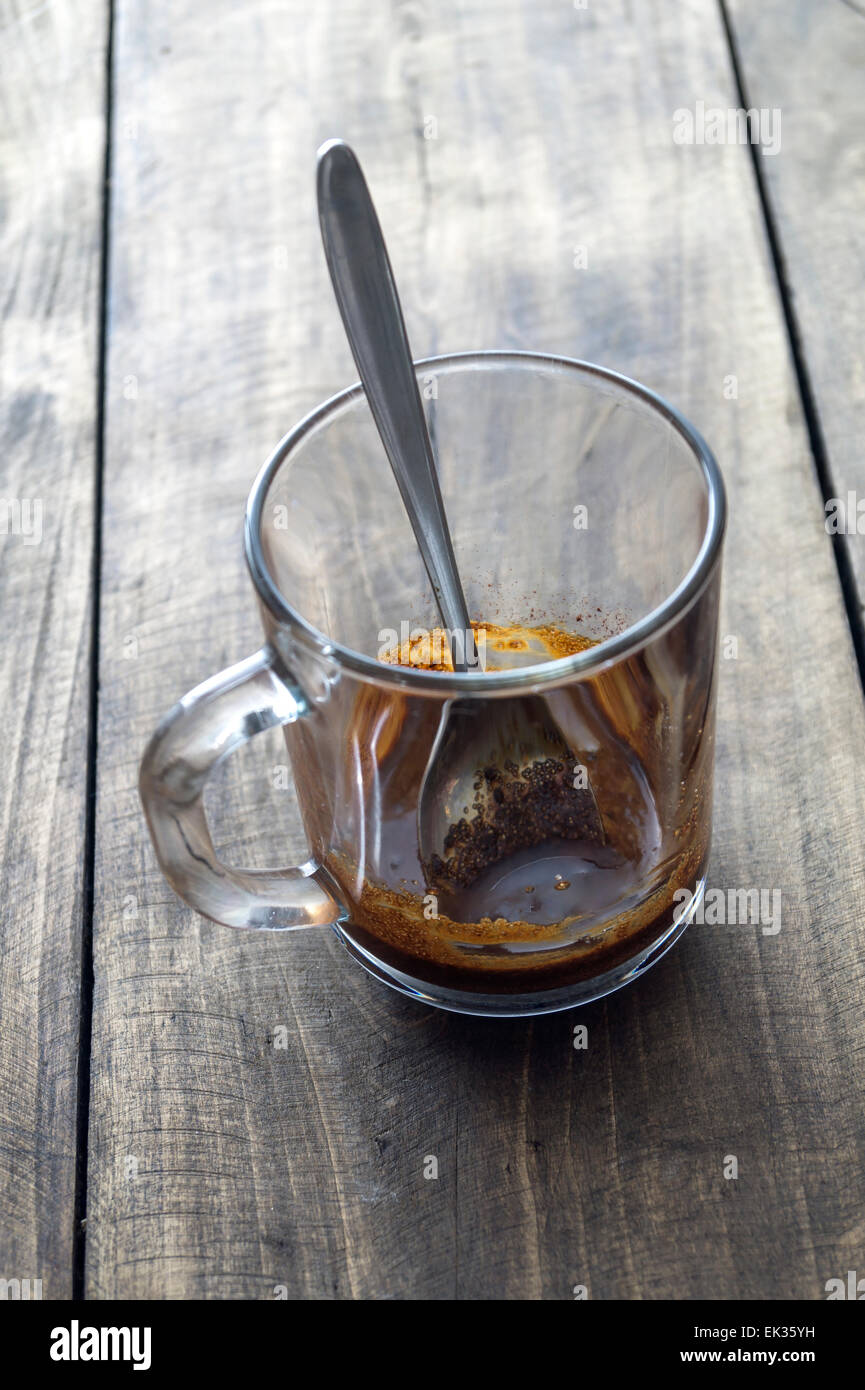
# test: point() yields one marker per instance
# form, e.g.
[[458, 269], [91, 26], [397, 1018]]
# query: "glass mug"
[[575, 498]]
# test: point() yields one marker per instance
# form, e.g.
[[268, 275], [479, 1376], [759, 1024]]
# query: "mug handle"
[[204, 727]]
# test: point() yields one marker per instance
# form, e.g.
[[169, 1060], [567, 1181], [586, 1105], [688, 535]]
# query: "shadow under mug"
[[575, 497]]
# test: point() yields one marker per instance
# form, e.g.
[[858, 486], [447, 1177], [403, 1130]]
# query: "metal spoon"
[[371, 313], [516, 737]]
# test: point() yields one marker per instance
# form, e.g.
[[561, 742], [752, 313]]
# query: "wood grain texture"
[[223, 1165], [52, 139], [807, 60]]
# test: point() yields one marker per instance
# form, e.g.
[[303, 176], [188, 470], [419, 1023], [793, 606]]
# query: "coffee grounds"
[[516, 809]]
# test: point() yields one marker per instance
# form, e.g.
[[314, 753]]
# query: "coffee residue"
[[429, 649], [536, 876], [516, 808]]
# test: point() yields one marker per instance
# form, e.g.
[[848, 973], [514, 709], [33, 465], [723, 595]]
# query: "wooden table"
[[166, 317]]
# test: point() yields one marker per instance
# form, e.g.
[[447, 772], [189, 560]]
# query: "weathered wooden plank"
[[806, 61], [51, 152], [221, 1165]]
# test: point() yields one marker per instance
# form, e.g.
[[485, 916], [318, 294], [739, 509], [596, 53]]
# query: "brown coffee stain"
[[620, 717], [429, 650], [496, 946]]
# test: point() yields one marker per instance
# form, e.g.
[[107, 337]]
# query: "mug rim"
[[582, 664]]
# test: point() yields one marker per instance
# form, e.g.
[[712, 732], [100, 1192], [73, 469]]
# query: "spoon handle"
[[369, 304]]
